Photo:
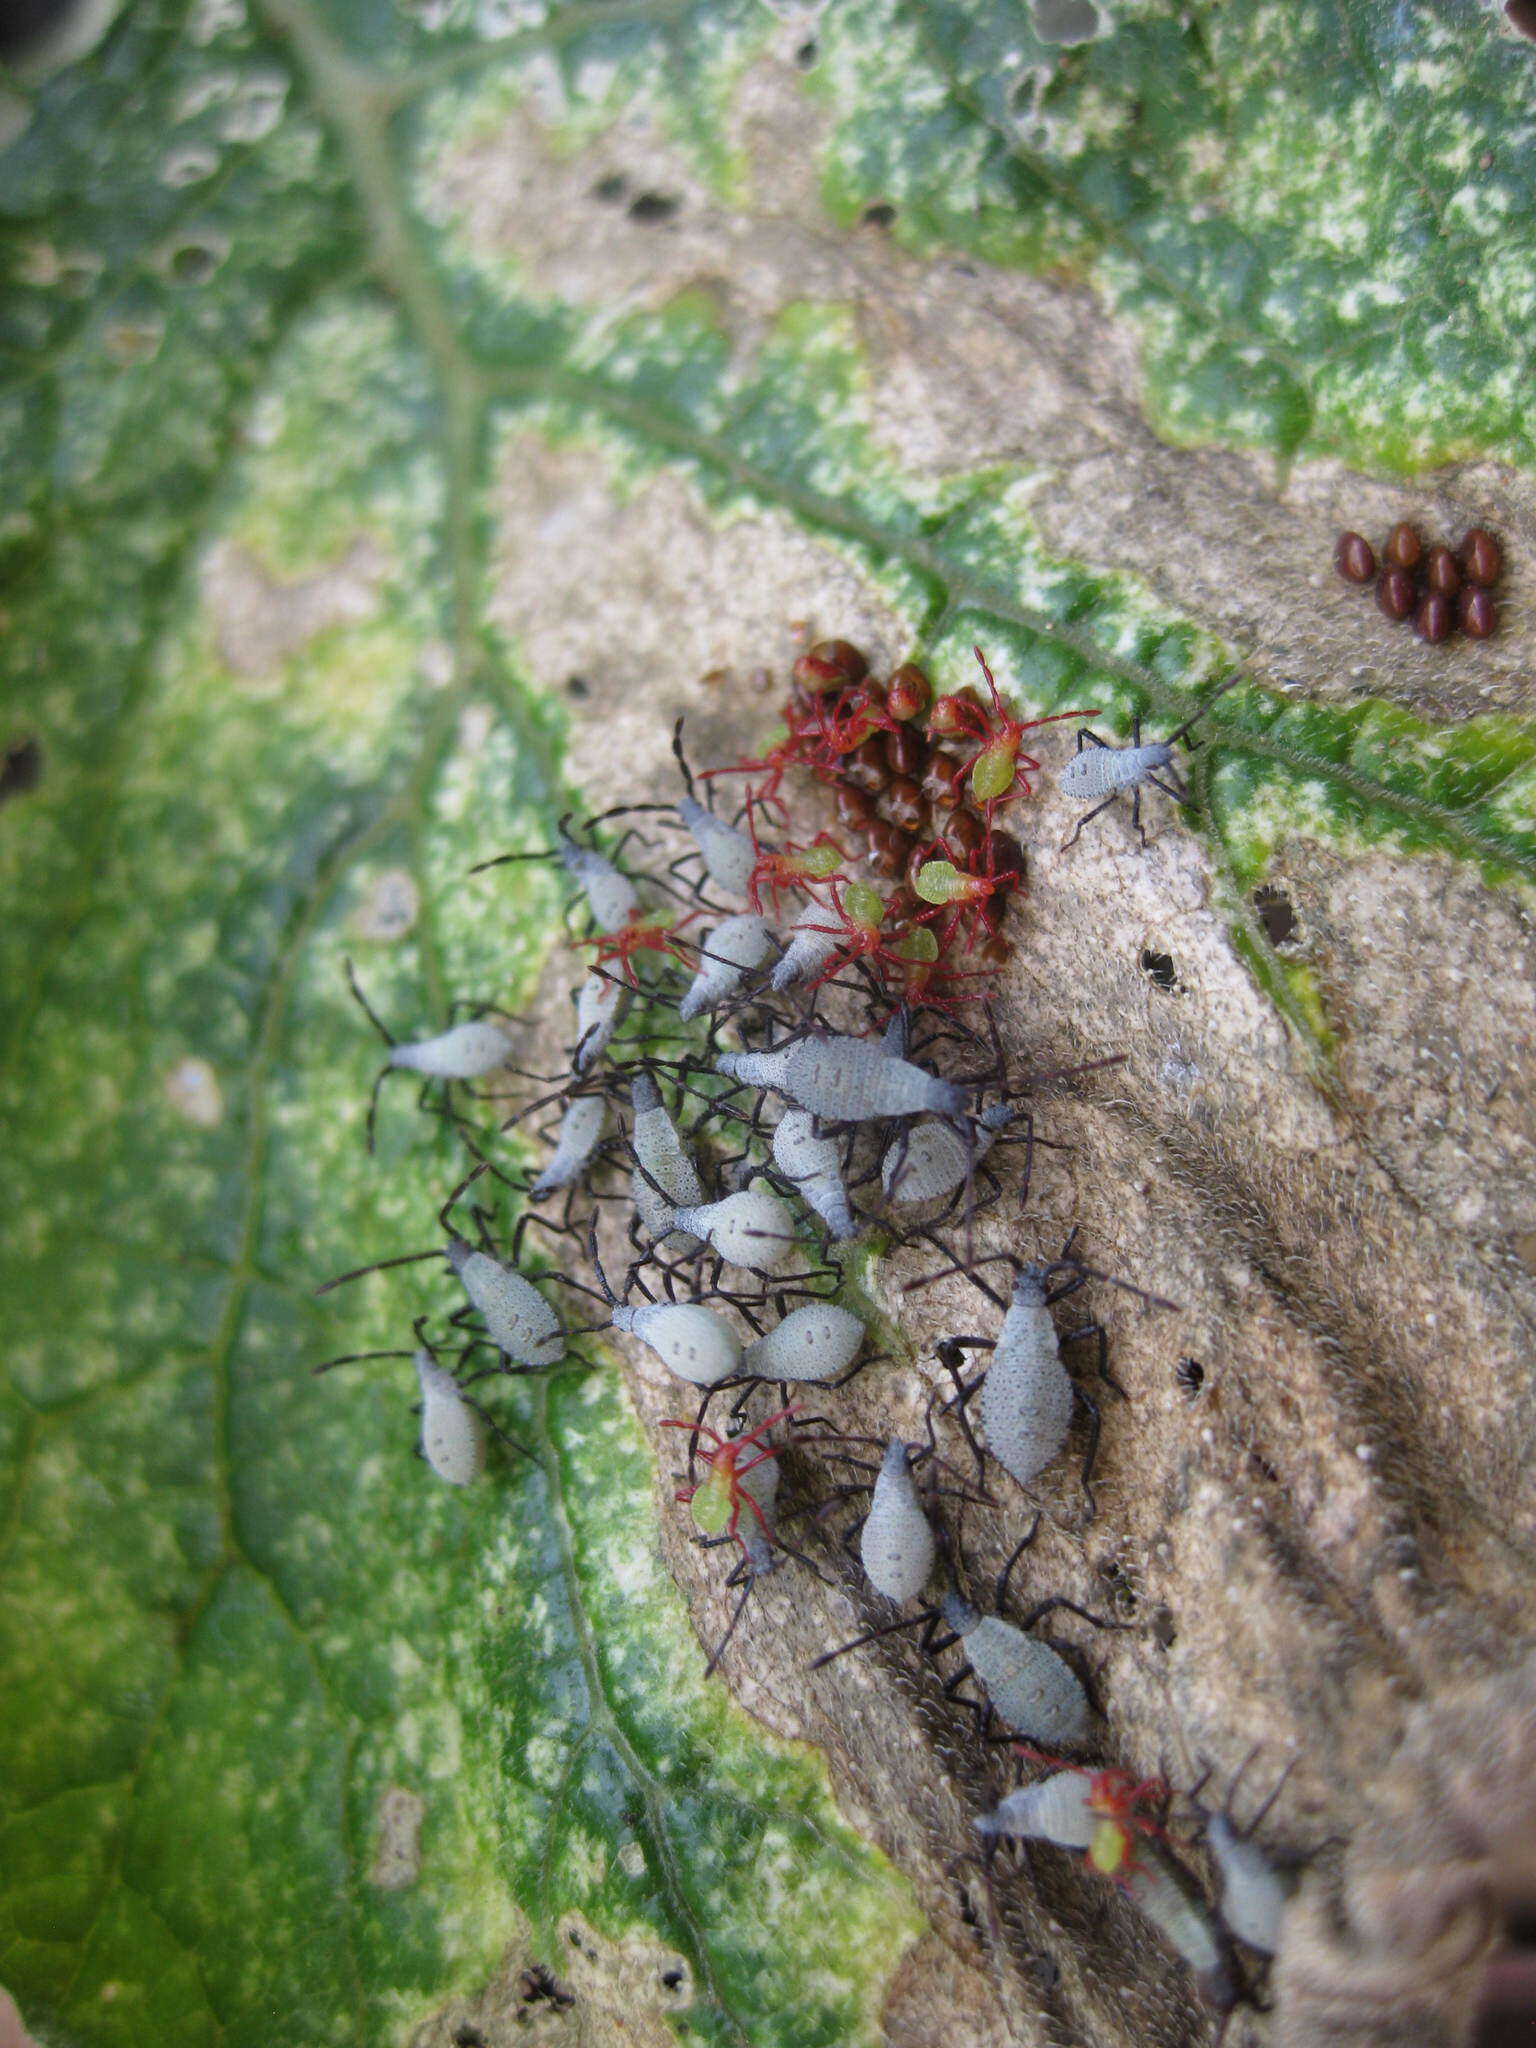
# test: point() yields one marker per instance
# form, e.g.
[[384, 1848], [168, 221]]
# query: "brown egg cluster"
[[897, 790], [1439, 590]]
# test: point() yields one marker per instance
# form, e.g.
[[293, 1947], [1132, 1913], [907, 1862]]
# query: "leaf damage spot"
[[389, 908], [259, 622], [192, 1089], [397, 1858]]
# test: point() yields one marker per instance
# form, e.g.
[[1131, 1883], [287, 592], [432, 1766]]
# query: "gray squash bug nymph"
[[1100, 770]]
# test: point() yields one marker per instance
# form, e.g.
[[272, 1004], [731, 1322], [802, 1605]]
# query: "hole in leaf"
[[21, 768], [1190, 1374], [652, 207], [611, 190], [193, 263], [1159, 968], [672, 1979], [1276, 913], [880, 215]]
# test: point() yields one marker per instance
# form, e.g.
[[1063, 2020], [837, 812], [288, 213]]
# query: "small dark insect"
[[1436, 619], [1190, 1374], [538, 1984], [1404, 546], [1353, 558], [1395, 594], [1276, 913], [880, 215], [1441, 575], [1159, 968], [1480, 559], [1478, 614]]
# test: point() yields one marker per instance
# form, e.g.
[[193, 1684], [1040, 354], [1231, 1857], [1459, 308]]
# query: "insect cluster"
[[1439, 590], [775, 1068]]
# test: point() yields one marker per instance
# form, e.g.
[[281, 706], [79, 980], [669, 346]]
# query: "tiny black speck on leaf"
[[652, 207]]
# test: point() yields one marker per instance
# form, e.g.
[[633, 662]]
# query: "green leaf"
[[287, 1728]]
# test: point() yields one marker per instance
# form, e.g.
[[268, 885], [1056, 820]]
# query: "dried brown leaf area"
[[1324, 1555]]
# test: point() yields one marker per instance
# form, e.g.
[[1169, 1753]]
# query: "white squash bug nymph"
[[751, 1229], [452, 1431], [1100, 770], [1027, 1393], [1032, 1688], [464, 1052], [518, 1320], [1058, 1809], [731, 950], [845, 1080], [453, 1427], [600, 1005], [811, 945], [815, 1344], [664, 1178], [690, 1340], [581, 1130], [1254, 1895], [897, 1544], [814, 1165], [611, 896]]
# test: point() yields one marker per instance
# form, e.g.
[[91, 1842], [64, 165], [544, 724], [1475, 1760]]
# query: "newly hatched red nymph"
[[999, 765], [717, 1501]]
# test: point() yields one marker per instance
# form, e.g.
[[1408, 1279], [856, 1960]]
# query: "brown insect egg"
[[889, 849], [865, 766], [854, 808], [1441, 574], [1478, 613], [904, 804], [1436, 618], [1404, 546], [906, 751], [907, 694], [1353, 559], [1395, 594], [830, 665], [1480, 559], [936, 784], [964, 830], [1007, 855]]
